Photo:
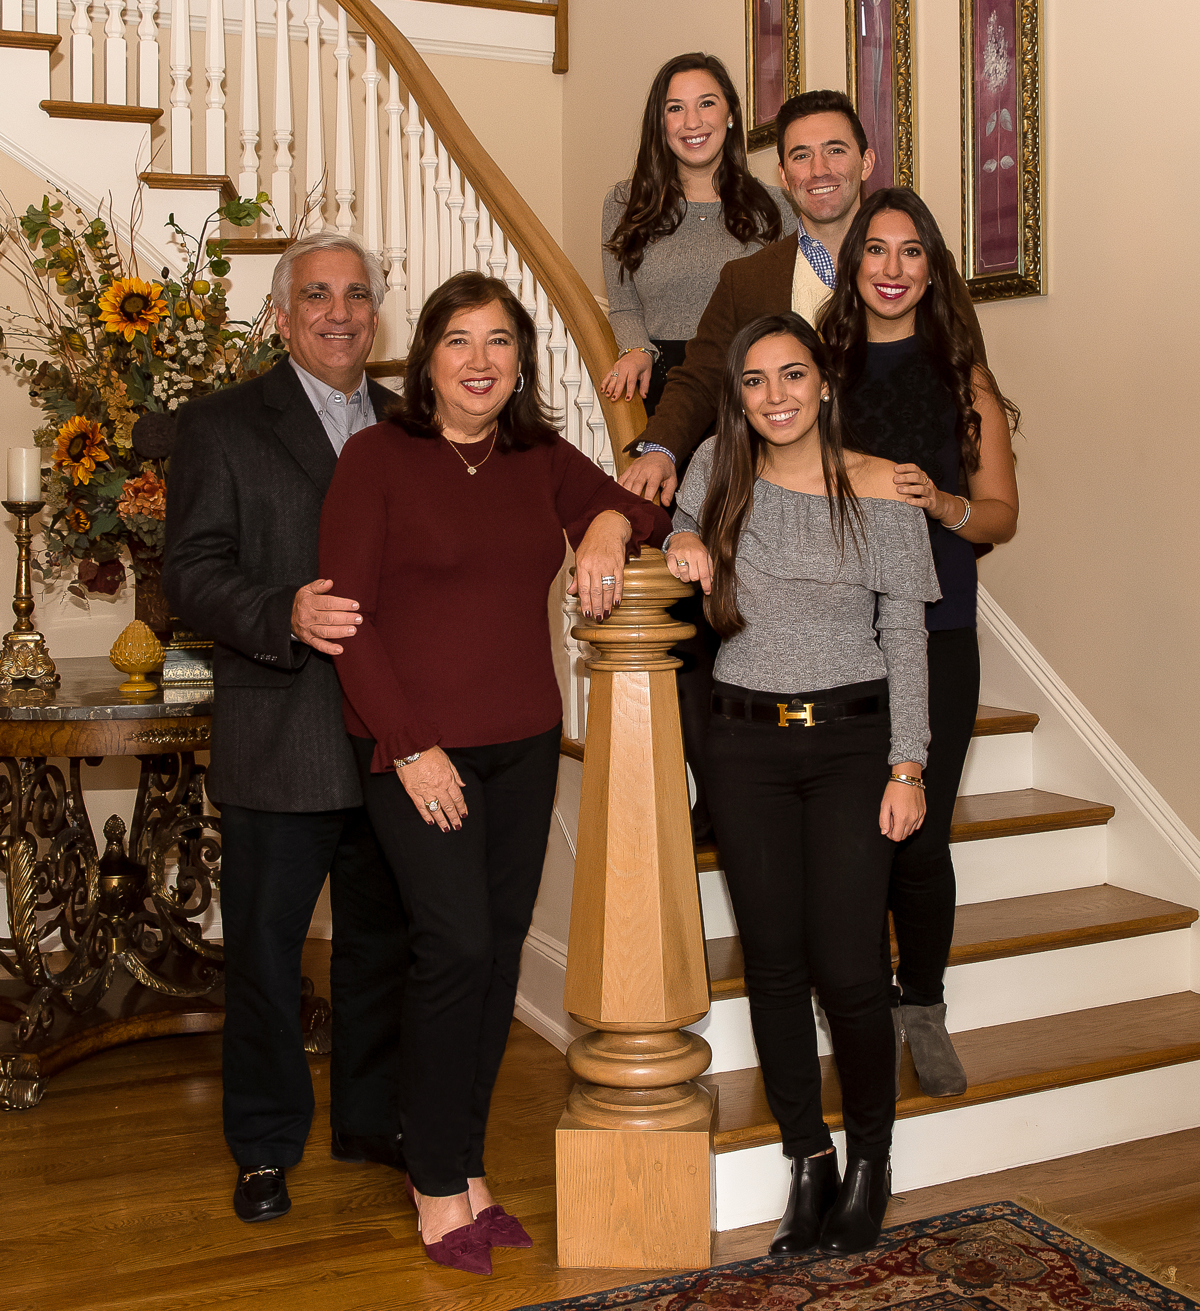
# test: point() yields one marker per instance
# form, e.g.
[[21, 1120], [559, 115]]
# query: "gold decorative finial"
[[136, 652]]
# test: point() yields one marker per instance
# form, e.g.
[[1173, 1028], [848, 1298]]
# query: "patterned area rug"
[[999, 1257]]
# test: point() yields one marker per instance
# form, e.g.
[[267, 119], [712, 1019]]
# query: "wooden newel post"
[[634, 1146]]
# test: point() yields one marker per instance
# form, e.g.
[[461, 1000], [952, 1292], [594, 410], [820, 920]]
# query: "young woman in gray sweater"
[[816, 574]]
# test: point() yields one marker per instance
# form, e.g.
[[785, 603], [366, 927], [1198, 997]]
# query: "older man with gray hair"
[[249, 473]]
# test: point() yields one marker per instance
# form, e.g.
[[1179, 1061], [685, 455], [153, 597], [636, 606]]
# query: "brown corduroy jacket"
[[747, 289]]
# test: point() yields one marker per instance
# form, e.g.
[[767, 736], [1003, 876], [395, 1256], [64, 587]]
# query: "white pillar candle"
[[24, 473]]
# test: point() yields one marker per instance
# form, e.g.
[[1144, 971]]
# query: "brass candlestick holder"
[[24, 658]]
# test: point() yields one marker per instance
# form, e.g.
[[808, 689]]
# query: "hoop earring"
[[520, 383]]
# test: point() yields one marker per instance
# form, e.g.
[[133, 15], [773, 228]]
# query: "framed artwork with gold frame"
[[1002, 148], [774, 64], [879, 80]]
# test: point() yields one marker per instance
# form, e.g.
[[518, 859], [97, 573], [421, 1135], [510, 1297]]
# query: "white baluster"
[[81, 52], [214, 72], [429, 161], [116, 54], [372, 221], [498, 259], [248, 176], [483, 242], [470, 222], [281, 178], [575, 701], [395, 322], [415, 263], [314, 174], [512, 273], [147, 53], [454, 203], [528, 293], [599, 449], [47, 18], [556, 352], [441, 188], [572, 377], [181, 100], [543, 324], [343, 147]]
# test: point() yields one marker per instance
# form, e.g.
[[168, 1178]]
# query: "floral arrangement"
[[109, 357]]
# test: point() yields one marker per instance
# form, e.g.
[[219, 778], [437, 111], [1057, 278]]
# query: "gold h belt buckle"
[[804, 716]]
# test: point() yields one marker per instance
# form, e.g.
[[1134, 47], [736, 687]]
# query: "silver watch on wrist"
[[407, 760]]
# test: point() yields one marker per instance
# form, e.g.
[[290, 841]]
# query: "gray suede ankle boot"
[[899, 1045], [938, 1067]]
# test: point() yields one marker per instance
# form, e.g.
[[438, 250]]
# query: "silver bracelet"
[[407, 760], [954, 527], [652, 351]]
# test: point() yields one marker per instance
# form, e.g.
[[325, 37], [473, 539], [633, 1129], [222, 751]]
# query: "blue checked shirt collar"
[[818, 257]]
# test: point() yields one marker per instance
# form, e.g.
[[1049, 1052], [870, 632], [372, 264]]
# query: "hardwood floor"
[[117, 1191]]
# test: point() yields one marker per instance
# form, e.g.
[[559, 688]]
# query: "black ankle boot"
[[854, 1223], [814, 1190]]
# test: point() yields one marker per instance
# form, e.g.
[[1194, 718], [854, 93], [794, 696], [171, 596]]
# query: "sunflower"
[[80, 449], [130, 306], [79, 520]]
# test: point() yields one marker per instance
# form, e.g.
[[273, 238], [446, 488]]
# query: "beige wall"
[[1102, 574], [516, 111]]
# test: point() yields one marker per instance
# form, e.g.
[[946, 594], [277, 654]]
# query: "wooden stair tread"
[[386, 368], [992, 815], [192, 182], [1013, 926], [47, 41], [257, 245], [98, 110], [991, 721], [1006, 1060]]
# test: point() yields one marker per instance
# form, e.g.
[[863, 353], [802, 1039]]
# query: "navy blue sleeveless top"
[[901, 410]]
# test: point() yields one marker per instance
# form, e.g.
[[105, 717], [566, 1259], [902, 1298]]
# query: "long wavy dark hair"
[[656, 203], [525, 420], [740, 454], [940, 322]]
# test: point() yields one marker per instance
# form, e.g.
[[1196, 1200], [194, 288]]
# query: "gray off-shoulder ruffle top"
[[818, 617]]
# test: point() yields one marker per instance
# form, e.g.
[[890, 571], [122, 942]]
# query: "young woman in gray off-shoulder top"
[[816, 575]]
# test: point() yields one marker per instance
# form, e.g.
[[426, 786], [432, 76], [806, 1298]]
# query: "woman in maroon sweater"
[[446, 525]]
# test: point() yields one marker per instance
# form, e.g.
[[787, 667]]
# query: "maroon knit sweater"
[[452, 572]]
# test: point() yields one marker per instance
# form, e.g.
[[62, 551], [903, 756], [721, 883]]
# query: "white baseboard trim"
[[1112, 759], [540, 991]]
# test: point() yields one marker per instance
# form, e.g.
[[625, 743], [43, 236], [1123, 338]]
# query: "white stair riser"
[[986, 870], [988, 993], [1022, 866], [999, 763], [752, 1185]]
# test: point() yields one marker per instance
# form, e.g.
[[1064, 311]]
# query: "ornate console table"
[[106, 945]]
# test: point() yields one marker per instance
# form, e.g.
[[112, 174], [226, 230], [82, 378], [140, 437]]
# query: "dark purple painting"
[[768, 60], [997, 179], [873, 27]]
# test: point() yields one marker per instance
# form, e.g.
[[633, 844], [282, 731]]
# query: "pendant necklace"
[[474, 468]]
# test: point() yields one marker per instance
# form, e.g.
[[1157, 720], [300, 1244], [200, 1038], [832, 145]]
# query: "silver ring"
[[610, 580], [431, 806], [683, 564]]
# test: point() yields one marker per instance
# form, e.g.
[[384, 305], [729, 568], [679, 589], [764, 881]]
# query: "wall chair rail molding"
[[1002, 148], [879, 80]]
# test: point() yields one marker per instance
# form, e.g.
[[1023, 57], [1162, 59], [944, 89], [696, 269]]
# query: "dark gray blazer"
[[249, 472]]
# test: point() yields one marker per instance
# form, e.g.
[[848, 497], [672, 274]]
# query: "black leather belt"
[[806, 709]]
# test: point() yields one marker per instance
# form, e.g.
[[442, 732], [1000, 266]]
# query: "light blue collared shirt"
[[341, 415]]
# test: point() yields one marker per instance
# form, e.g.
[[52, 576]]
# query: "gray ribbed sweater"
[[812, 614], [666, 296]]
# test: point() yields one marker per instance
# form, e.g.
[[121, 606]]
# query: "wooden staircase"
[[1069, 1006]]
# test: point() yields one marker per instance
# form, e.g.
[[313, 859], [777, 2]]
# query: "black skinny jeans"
[[796, 812], [469, 899], [922, 891]]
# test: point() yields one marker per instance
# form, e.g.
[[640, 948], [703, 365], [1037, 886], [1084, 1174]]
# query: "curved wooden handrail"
[[568, 293]]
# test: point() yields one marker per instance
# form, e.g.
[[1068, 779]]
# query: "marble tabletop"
[[89, 691]]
